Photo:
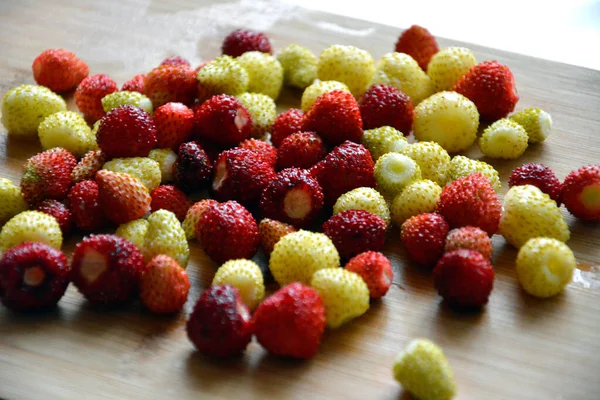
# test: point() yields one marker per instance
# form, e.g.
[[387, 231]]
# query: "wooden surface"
[[518, 347]]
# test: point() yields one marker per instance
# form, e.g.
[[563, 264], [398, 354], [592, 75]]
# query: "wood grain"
[[518, 347]]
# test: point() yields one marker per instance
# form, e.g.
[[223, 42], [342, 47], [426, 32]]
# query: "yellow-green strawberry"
[[31, 226], [383, 140], [263, 112], [530, 213], [125, 97], [265, 73], [419, 197], [193, 216], [448, 65], [461, 166], [26, 106], [11, 200], [67, 129], [165, 159], [394, 171], [317, 89], [142, 168], [223, 75], [134, 231], [363, 198], [504, 139], [433, 160], [271, 232], [347, 64], [345, 294], [87, 167], [166, 236], [537, 123], [299, 66], [245, 275]]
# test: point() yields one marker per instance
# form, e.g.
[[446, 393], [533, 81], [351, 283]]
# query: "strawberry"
[[299, 66], [394, 171], [246, 277], [144, 169], [171, 83], [384, 140], [68, 130], [240, 41], [376, 271], [270, 233], [135, 84], [504, 139], [165, 158], [291, 322], [174, 123], [262, 110], [537, 175], [192, 169], [220, 325], [491, 86], [228, 231], [265, 73], [85, 208], [424, 236], [87, 167], [449, 65], [317, 89], [367, 199], [355, 231], [300, 150], [106, 269], [461, 166], [124, 98], [168, 197], [164, 285], [464, 278], [175, 60], [471, 201], [581, 193], [347, 64], [30, 226], [285, 124], [11, 200], [335, 116], [433, 160], [47, 175], [122, 197], [418, 43], [59, 70], [222, 120], [89, 95], [193, 216], [165, 236], [293, 197], [417, 198], [384, 105], [135, 231], [262, 148], [126, 131], [470, 238], [223, 75], [537, 123], [60, 212], [241, 175], [33, 276], [348, 166]]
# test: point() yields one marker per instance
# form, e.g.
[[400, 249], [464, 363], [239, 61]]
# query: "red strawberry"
[[424, 236], [85, 208], [262, 148], [59, 70], [384, 105], [293, 196], [418, 43], [168, 197], [300, 150], [227, 231], [33, 276], [241, 175], [89, 94], [471, 201], [126, 131], [286, 123], [464, 278], [376, 271], [171, 83], [174, 123], [135, 84], [270, 233], [470, 238], [192, 169], [537, 175], [190, 224], [164, 285], [106, 269], [240, 41], [122, 197], [581, 193], [175, 60], [291, 322], [222, 120], [47, 175], [220, 325], [335, 116], [348, 166], [491, 86], [87, 167], [355, 231], [59, 211]]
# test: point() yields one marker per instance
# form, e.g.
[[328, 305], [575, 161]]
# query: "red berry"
[[192, 169], [135, 84], [59, 211], [227, 232], [300, 150], [464, 278], [335, 116], [171, 83], [174, 123], [106, 269], [418, 43], [222, 120], [293, 196], [471, 201], [33, 276], [581, 193], [168, 197], [291, 322], [122, 197], [47, 175], [537, 175], [270, 233], [424, 236], [355, 231], [384, 105], [286, 123], [262, 148], [469, 238], [59, 70], [164, 285], [220, 325], [175, 60], [376, 271], [240, 41], [87, 167], [89, 94], [491, 86], [83, 203], [126, 131]]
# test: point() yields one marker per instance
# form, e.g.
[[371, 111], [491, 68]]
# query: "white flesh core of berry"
[[93, 265], [297, 203], [398, 169], [545, 121], [220, 175], [387, 277], [241, 118], [553, 266], [242, 310], [34, 276], [397, 146], [590, 197]]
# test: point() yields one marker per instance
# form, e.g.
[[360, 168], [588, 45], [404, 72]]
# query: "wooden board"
[[518, 347]]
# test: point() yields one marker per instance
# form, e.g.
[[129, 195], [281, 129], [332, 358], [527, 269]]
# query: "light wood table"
[[518, 347]]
